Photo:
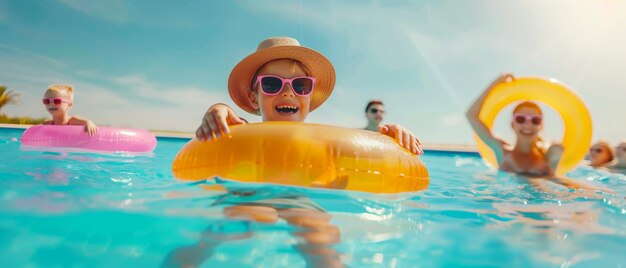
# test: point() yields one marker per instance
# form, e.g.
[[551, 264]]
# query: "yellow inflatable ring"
[[305, 155], [573, 112]]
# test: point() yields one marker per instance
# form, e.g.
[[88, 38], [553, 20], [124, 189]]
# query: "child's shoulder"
[[76, 119]]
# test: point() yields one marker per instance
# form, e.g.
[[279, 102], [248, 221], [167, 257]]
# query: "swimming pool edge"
[[430, 148]]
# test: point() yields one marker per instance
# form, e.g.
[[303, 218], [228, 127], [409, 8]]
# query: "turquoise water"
[[61, 209]]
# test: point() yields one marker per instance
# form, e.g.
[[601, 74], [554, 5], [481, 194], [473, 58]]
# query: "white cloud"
[[19, 58], [116, 11]]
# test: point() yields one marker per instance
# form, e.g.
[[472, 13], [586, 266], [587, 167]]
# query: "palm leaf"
[[7, 97]]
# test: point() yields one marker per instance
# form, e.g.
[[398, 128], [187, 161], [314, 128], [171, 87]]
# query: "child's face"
[[599, 155], [57, 109], [286, 105], [526, 126]]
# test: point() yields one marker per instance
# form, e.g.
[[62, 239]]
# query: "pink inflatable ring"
[[107, 139]]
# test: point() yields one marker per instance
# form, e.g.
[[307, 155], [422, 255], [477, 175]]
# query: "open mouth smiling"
[[527, 132], [287, 109]]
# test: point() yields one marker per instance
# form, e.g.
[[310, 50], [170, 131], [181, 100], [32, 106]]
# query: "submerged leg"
[[317, 236], [253, 213], [194, 255]]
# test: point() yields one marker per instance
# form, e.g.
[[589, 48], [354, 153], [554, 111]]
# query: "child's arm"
[[479, 127], [90, 127], [216, 121], [403, 136], [574, 184], [553, 155]]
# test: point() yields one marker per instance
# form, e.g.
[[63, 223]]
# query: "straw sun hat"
[[281, 48]]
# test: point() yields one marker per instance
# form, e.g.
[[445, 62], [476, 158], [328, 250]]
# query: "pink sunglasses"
[[272, 85], [56, 101], [522, 118]]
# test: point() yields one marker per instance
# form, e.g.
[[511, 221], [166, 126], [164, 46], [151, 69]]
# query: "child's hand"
[[91, 128], [403, 136], [216, 121], [503, 78]]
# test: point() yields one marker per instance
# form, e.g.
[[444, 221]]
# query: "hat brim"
[[318, 65]]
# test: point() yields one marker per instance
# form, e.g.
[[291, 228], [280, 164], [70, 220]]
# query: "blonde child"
[[58, 100]]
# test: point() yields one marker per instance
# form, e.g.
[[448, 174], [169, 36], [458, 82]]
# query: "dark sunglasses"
[[522, 118], [272, 85], [375, 111], [596, 150]]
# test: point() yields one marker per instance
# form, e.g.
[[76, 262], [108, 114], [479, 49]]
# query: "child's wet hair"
[[373, 102], [68, 90], [295, 63], [528, 104], [607, 147]]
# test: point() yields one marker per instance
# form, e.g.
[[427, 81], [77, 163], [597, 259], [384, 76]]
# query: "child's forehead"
[[528, 111], [599, 145], [55, 93], [282, 66]]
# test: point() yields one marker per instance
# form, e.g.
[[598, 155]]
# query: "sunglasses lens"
[[302, 86], [374, 110], [536, 120], [57, 101], [271, 85], [46, 101], [520, 119]]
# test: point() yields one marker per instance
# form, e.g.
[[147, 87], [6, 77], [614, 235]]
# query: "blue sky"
[[161, 64]]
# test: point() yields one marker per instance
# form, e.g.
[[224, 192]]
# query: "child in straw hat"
[[283, 81]]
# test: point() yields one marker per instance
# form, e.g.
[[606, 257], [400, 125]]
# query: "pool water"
[[77, 209]]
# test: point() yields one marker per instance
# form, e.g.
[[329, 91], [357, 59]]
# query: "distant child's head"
[[58, 99], [600, 153], [375, 111], [281, 81], [527, 121]]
